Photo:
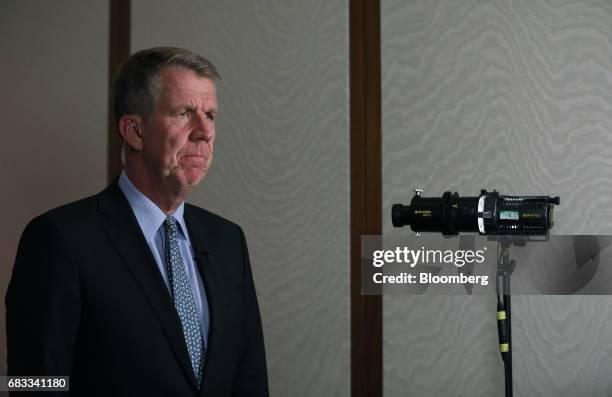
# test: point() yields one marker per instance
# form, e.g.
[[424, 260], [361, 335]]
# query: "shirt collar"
[[150, 217]]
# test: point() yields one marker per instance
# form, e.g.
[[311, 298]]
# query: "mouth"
[[193, 160]]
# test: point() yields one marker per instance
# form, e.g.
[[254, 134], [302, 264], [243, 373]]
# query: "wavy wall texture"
[[514, 96], [281, 167]]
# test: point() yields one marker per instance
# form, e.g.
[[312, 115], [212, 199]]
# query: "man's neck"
[[163, 196]]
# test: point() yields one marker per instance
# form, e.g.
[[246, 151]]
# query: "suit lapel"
[[123, 230], [202, 240]]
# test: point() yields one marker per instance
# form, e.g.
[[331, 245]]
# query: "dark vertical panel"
[[366, 192], [119, 50]]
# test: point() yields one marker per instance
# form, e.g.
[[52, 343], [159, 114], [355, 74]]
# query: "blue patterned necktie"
[[183, 298]]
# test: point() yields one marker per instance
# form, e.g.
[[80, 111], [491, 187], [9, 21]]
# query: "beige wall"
[[281, 167], [53, 109], [514, 96]]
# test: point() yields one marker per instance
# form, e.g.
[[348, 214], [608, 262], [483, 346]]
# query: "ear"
[[131, 129]]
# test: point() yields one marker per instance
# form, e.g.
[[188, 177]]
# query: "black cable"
[[499, 261]]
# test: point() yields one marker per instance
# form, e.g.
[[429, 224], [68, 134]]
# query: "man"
[[132, 291]]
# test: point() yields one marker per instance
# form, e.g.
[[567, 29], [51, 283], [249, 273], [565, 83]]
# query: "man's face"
[[179, 135]]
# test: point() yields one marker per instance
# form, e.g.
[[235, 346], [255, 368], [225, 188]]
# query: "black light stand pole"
[[505, 266]]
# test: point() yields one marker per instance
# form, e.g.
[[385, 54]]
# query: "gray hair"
[[137, 86]]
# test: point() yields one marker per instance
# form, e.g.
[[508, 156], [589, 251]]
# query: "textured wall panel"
[[281, 166], [516, 96], [53, 108]]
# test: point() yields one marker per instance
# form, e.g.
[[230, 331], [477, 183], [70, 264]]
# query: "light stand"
[[505, 267], [509, 220]]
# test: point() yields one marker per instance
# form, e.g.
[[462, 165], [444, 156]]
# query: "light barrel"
[[488, 214]]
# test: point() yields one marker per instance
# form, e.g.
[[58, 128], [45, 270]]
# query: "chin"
[[192, 178]]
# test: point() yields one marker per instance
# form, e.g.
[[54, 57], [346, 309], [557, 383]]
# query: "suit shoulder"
[[210, 218], [67, 215]]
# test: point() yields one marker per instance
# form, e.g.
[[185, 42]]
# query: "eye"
[[210, 116], [183, 114]]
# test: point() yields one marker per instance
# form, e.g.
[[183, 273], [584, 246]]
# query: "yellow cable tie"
[[504, 347], [501, 315]]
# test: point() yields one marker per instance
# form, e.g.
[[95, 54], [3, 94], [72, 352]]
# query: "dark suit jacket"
[[87, 300]]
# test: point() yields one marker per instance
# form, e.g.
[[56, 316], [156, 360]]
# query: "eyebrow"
[[184, 105], [189, 105]]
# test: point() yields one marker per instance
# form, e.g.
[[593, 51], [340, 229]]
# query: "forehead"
[[181, 84]]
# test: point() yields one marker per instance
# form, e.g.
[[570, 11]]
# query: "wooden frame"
[[119, 51], [366, 192]]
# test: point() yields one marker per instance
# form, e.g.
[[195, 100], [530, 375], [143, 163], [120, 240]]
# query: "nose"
[[203, 128]]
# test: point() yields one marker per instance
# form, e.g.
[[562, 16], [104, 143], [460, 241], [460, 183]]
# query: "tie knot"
[[170, 224]]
